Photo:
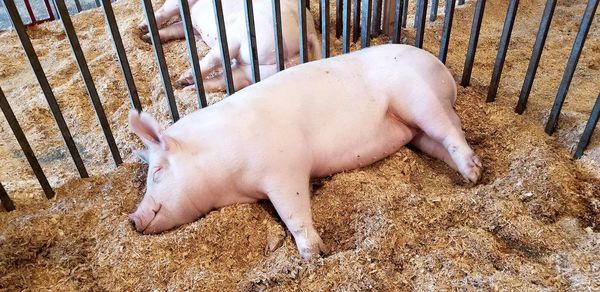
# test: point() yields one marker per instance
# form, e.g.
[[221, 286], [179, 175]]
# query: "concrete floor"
[[39, 10]]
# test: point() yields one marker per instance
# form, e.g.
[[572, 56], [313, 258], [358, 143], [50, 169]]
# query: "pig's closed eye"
[[157, 174]]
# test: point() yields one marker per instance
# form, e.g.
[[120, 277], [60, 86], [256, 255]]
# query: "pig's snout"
[[142, 219], [136, 220]]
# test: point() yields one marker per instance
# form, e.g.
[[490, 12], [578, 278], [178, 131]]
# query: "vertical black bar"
[[7, 203], [589, 129], [461, 2], [77, 5], [475, 28], [109, 16], [448, 17], [184, 11], [397, 22], [509, 21], [338, 18], [536, 54], [325, 28], [87, 79], [346, 28], [43, 81], [251, 39], [224, 46], [302, 27], [421, 16], [433, 11], [404, 12], [584, 28], [160, 59], [49, 10], [97, 3], [308, 4], [356, 21], [278, 36], [18, 132], [376, 25], [365, 40]]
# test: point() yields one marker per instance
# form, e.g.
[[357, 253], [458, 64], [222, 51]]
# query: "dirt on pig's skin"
[[406, 223]]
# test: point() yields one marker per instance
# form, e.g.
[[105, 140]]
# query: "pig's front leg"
[[166, 12], [290, 195], [208, 64], [433, 148]]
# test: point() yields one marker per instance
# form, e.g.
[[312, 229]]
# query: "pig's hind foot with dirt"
[[312, 120]]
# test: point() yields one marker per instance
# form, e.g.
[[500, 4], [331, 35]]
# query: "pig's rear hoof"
[[143, 27], [473, 169]]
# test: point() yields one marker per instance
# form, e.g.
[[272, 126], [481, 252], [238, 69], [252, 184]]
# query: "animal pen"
[[407, 222]]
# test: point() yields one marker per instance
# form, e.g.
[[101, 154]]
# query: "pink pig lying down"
[[204, 23], [312, 120]]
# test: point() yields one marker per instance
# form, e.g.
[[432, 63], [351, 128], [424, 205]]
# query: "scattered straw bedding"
[[408, 222]]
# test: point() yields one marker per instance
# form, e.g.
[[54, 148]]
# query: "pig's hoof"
[[143, 27], [312, 250], [146, 38], [182, 83], [472, 169]]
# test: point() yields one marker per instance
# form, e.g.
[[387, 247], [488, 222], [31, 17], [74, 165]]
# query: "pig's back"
[[341, 105]]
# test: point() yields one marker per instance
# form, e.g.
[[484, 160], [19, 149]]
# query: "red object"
[[34, 20]]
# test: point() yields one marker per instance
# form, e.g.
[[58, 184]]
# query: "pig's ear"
[[145, 126], [142, 154]]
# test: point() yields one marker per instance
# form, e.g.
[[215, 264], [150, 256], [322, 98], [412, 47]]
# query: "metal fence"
[[367, 23]]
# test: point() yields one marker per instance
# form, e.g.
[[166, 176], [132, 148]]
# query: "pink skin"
[[204, 23], [312, 120]]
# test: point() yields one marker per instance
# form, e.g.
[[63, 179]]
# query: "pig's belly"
[[364, 148]]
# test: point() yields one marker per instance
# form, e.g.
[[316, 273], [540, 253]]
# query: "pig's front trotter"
[[292, 202]]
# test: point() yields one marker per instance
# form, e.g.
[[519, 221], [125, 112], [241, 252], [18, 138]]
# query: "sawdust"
[[406, 223]]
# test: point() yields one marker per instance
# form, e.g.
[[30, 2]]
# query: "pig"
[[313, 120], [204, 23]]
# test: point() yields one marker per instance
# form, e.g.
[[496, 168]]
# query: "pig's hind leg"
[[290, 195], [217, 83], [209, 64], [444, 128], [162, 15]]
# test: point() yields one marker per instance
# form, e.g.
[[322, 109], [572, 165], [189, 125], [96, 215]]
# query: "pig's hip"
[[360, 148]]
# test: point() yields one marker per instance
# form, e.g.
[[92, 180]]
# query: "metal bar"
[[97, 3], [448, 17], [49, 9], [346, 28], [509, 22], [87, 79], [55, 9], [584, 28], [226, 61], [356, 21], [434, 10], [404, 12], [160, 59], [43, 81], [365, 40], [109, 17], [376, 25], [302, 27], [7, 203], [278, 35], [184, 10], [589, 129], [251, 39], [338, 18], [320, 17], [77, 5], [461, 2], [397, 22], [30, 11], [325, 28], [421, 16], [18, 132], [475, 28], [308, 4], [536, 54]]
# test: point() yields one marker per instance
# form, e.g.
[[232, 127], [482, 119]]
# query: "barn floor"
[[405, 223]]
